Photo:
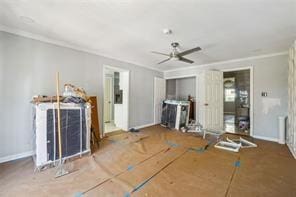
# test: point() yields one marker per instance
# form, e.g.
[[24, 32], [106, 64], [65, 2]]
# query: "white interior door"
[[121, 115], [159, 97], [211, 100], [108, 99]]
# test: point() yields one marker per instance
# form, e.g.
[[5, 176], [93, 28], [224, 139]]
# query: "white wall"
[[28, 68], [271, 76]]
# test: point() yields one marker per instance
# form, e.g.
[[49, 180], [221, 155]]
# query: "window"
[[229, 94]]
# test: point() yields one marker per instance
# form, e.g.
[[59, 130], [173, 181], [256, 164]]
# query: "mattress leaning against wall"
[[75, 123]]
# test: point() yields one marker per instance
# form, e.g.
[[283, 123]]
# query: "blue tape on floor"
[[127, 194], [138, 187], [172, 144], [237, 164], [78, 194], [130, 168]]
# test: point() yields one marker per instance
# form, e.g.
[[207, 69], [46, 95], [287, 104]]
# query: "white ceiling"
[[129, 29]]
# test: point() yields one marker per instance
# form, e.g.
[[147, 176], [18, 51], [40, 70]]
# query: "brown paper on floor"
[[268, 171], [171, 143], [159, 162], [194, 174]]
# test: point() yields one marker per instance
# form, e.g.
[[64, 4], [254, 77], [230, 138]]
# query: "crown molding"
[[94, 52], [48, 40], [230, 61]]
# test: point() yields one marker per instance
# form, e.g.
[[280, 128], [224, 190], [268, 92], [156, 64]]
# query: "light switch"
[[264, 94]]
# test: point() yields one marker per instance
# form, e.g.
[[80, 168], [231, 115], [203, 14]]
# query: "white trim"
[[16, 156], [143, 126], [266, 138], [237, 68], [180, 76], [230, 61], [65, 44], [118, 69], [45, 39], [291, 150], [251, 68]]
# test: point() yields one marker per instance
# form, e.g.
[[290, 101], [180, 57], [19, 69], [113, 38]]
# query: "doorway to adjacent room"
[[237, 101], [116, 96]]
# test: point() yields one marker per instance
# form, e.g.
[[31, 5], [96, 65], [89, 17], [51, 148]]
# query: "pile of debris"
[[192, 127], [71, 94], [198, 128], [234, 145]]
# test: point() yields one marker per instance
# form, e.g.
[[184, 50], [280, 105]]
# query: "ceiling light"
[[167, 31]]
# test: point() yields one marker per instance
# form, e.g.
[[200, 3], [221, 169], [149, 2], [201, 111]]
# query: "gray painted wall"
[[180, 88], [171, 88], [184, 87], [28, 68], [270, 74]]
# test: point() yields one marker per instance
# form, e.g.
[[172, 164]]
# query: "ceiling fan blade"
[[159, 53], [189, 51], [164, 61], [186, 60]]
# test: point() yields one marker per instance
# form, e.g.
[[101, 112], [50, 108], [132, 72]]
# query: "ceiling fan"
[[176, 55]]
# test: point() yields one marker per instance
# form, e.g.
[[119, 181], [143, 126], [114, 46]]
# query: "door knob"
[[206, 104]]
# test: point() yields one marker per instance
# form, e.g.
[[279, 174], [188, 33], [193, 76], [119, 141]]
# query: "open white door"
[[210, 94], [159, 97], [108, 104]]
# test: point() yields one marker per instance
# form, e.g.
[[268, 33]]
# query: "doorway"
[[183, 89], [116, 97], [159, 97], [237, 101]]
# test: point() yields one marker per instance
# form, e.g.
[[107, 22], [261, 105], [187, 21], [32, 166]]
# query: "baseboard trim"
[[143, 126], [291, 150], [16, 156], [265, 138]]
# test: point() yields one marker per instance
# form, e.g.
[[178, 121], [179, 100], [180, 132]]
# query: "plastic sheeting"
[[75, 131], [175, 114]]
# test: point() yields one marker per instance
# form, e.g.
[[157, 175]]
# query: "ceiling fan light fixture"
[[175, 58], [176, 55]]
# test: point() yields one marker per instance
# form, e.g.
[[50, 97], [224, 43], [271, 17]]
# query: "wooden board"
[[94, 117]]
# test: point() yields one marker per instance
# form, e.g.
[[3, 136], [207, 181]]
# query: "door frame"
[[251, 68], [196, 76], [117, 69], [154, 88]]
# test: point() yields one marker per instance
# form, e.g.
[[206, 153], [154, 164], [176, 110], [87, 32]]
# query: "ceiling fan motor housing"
[[175, 44], [177, 55]]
